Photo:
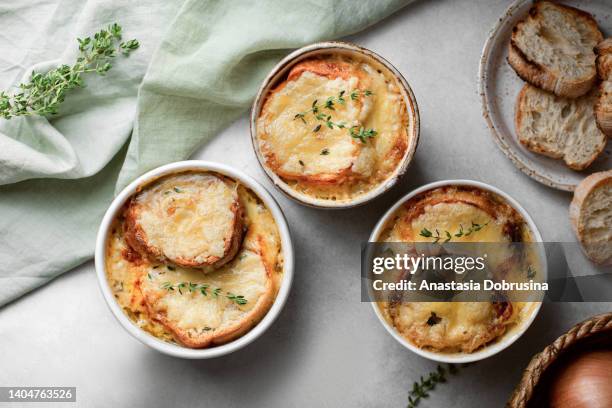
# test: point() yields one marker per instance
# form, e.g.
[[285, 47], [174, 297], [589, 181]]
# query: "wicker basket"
[[593, 332]]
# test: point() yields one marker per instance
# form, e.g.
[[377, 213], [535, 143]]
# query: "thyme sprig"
[[319, 112], [359, 132], [447, 236], [424, 386], [191, 287], [45, 92], [531, 272]]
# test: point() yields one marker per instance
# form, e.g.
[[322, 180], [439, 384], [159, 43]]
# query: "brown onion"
[[584, 382]]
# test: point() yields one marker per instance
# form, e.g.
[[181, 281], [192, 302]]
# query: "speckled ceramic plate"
[[499, 86]]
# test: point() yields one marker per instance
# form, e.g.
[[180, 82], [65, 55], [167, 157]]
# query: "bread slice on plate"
[[591, 216], [192, 220], [552, 48], [558, 127], [603, 108]]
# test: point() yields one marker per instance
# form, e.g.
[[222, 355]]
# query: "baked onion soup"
[[482, 216], [194, 258], [335, 128]]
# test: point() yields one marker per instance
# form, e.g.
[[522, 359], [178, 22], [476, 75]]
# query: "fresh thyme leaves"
[[433, 319], [129, 46], [447, 236], [474, 228], [361, 133], [239, 299], [424, 386], [202, 288], [45, 92], [531, 272], [324, 152], [356, 93], [318, 111]]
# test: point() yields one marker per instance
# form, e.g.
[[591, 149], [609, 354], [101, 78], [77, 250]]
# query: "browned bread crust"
[[215, 337], [330, 69], [512, 221], [603, 106], [546, 77], [136, 237], [600, 252], [562, 150]]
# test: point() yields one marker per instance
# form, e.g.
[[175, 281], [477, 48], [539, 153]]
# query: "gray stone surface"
[[327, 349]]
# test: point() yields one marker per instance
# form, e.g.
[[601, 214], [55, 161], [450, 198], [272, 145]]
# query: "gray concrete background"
[[327, 349]]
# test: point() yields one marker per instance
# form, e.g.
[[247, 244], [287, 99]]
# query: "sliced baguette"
[[553, 49], [591, 216], [603, 108], [558, 127]]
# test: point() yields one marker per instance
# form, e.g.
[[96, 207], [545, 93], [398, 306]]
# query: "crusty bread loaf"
[[603, 108], [591, 216], [553, 49], [558, 127]]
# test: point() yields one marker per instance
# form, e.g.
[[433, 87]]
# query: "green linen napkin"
[[202, 62]]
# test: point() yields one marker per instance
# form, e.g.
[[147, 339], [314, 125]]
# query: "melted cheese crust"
[[328, 163], [191, 219], [200, 318], [190, 318], [463, 326], [292, 148]]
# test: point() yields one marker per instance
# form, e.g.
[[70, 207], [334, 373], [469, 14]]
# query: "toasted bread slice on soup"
[[201, 310], [295, 146], [552, 48], [191, 220], [453, 208], [603, 108], [591, 216], [558, 127]]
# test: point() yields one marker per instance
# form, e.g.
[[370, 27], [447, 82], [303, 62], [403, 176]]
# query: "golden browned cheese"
[[197, 307], [190, 219], [302, 142], [458, 326]]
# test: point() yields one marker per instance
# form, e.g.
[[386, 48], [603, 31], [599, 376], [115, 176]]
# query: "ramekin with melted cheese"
[[194, 258], [460, 331], [334, 128]]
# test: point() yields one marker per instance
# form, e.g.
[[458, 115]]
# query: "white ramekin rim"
[[508, 338], [173, 349], [411, 106]]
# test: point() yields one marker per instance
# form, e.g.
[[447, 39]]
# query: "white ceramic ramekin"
[[174, 349], [508, 338], [280, 71]]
